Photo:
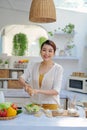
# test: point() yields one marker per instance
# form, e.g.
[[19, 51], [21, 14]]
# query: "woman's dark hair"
[[49, 42]]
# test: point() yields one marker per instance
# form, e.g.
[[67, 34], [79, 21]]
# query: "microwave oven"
[[77, 83]]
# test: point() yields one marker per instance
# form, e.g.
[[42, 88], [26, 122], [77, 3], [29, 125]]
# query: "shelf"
[[64, 34], [17, 68], [8, 79], [12, 68], [65, 58]]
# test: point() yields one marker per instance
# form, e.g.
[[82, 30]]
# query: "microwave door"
[[76, 84]]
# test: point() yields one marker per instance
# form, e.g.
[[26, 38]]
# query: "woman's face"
[[47, 52]]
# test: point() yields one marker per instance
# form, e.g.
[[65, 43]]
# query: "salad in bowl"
[[32, 108]]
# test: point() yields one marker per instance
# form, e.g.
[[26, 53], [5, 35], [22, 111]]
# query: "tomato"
[[3, 113], [14, 106], [20, 61]]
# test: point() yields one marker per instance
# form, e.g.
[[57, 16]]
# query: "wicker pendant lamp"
[[42, 11]]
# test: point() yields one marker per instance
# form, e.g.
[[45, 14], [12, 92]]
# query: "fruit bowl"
[[7, 118], [32, 108], [8, 111]]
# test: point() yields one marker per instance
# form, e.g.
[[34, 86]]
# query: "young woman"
[[42, 80]]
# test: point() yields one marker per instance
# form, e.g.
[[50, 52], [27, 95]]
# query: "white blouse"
[[51, 80]]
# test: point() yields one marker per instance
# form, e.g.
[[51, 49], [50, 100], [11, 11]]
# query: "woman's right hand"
[[28, 89]]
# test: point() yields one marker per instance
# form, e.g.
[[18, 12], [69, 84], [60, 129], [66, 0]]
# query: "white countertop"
[[25, 121], [70, 94]]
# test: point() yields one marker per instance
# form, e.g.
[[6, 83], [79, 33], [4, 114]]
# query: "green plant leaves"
[[20, 44], [41, 40], [69, 28]]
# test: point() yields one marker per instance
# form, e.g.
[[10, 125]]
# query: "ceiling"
[[24, 5], [19, 5]]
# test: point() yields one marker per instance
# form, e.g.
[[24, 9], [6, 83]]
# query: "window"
[[74, 5]]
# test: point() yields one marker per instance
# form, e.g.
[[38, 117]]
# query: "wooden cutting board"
[[65, 113]]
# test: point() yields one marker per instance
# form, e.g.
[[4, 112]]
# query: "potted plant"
[[20, 44], [1, 62], [69, 49], [41, 40], [69, 28], [6, 63], [50, 33]]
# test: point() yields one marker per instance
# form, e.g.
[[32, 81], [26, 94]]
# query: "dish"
[[7, 118], [32, 108], [72, 111]]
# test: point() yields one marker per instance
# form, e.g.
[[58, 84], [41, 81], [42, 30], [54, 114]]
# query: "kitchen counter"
[[20, 97], [29, 122], [64, 93]]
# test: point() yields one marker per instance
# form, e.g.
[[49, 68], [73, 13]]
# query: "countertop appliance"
[[77, 83]]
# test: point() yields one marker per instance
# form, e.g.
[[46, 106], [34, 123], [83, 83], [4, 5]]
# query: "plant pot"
[[6, 66]]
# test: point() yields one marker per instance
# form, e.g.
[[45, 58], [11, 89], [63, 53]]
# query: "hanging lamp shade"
[[42, 11]]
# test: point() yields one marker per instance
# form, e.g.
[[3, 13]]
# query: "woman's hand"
[[31, 91], [35, 91], [28, 89]]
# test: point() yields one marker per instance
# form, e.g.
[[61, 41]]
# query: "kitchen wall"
[[64, 17]]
